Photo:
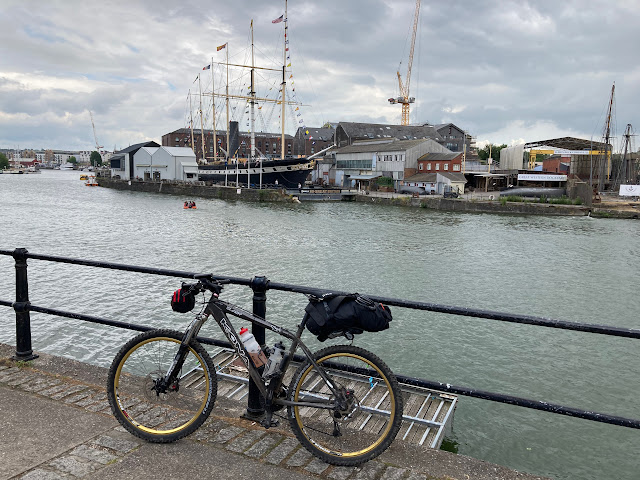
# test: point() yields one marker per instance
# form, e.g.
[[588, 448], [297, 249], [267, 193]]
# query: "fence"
[[260, 286]]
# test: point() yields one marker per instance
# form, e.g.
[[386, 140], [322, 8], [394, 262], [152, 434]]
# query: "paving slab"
[[56, 425], [36, 429], [189, 459]]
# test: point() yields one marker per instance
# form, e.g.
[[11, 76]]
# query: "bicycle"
[[343, 403]]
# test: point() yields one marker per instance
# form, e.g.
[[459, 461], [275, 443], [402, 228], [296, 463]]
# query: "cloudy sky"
[[506, 71]]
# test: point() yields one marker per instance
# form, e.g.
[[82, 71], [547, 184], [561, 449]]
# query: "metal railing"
[[260, 285]]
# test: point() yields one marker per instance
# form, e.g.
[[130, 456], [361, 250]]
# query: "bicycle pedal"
[[267, 422]]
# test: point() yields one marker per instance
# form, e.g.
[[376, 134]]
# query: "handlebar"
[[207, 282]]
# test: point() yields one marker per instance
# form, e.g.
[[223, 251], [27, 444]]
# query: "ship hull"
[[283, 173]]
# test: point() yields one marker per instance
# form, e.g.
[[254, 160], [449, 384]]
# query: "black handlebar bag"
[[183, 299], [349, 315]]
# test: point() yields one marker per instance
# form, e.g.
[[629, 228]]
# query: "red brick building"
[[440, 162], [266, 143]]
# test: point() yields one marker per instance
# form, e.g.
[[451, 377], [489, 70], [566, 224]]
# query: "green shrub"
[[512, 198], [563, 200], [384, 181]]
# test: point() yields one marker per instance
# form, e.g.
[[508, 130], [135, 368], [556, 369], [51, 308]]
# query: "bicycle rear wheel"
[[136, 403], [368, 420]]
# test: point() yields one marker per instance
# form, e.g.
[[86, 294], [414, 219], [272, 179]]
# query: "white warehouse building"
[[165, 163], [150, 161]]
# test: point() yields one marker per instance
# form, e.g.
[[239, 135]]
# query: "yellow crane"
[[404, 97]]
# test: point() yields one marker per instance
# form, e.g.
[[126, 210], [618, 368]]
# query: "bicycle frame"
[[220, 309]]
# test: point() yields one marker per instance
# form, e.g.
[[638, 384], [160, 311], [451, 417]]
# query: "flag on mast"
[[207, 67], [221, 47], [279, 19]]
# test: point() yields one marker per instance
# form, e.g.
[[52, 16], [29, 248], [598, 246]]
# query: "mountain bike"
[[343, 403]]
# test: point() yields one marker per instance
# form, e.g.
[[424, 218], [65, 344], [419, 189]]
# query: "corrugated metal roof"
[[568, 143], [431, 177], [323, 134], [138, 146], [377, 131], [392, 145], [422, 177], [441, 157], [455, 177], [180, 151]]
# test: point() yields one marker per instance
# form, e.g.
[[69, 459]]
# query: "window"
[[446, 166], [354, 164], [456, 167], [428, 166], [437, 166], [420, 167]]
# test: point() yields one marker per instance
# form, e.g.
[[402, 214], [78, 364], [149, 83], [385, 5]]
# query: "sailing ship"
[[256, 171]]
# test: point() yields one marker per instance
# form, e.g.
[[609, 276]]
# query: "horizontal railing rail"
[[260, 285]]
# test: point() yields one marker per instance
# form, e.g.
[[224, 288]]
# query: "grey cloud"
[[483, 65]]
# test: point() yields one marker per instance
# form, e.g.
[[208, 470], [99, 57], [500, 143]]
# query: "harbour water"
[[569, 268]]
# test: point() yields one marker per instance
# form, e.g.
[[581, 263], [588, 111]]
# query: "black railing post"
[[21, 306], [259, 285]]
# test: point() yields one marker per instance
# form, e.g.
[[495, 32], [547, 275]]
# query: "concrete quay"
[[57, 424]]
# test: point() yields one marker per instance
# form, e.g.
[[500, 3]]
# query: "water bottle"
[[275, 357], [255, 352]]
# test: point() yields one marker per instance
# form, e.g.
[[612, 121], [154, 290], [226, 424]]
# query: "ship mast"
[[252, 102], [284, 81], [604, 165], [201, 120], [191, 118], [213, 114]]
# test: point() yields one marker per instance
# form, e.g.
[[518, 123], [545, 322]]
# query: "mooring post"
[[21, 306], [259, 285]]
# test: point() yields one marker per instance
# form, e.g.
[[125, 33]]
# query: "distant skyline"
[[506, 71]]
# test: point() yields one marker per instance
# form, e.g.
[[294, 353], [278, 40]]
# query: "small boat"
[[91, 181], [84, 176], [189, 206]]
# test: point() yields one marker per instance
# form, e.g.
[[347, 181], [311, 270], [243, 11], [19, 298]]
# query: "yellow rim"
[[391, 398], [151, 430]]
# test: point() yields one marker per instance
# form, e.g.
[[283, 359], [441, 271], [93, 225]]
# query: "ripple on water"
[[575, 269]]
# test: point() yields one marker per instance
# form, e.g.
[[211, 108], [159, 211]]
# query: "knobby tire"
[[365, 429], [160, 418]]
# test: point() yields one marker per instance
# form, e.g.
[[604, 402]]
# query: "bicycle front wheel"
[[135, 400], [363, 419]]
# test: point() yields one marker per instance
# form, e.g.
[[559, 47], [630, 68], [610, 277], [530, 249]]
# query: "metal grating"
[[427, 413]]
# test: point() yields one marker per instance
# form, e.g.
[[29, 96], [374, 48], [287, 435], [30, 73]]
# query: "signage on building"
[[630, 190], [542, 178]]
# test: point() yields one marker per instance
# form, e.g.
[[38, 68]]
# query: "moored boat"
[[257, 171], [287, 173], [91, 181]]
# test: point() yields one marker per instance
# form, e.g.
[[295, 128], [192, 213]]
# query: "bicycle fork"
[[169, 381]]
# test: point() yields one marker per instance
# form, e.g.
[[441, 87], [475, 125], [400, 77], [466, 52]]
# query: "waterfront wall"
[[187, 190], [479, 206]]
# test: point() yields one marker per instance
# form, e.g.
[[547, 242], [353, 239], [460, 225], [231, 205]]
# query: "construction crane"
[[404, 97], [98, 146]]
